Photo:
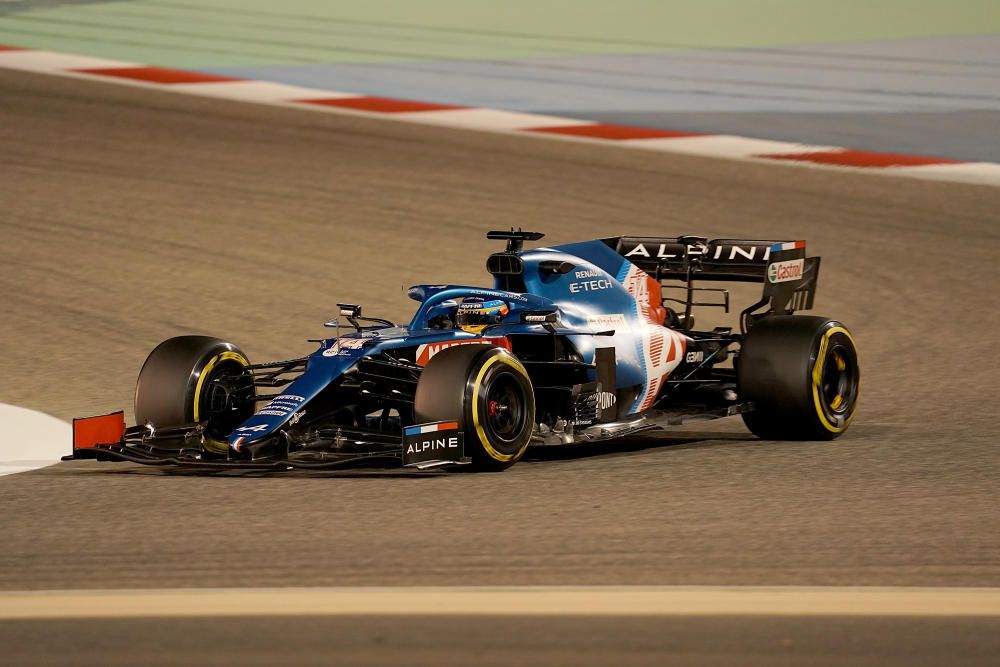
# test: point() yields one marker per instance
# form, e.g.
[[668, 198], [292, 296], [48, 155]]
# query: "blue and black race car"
[[574, 343]]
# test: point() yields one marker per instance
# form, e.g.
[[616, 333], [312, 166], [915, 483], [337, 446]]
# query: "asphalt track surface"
[[131, 215], [457, 641]]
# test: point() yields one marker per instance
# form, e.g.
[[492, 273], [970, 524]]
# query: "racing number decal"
[[646, 291]]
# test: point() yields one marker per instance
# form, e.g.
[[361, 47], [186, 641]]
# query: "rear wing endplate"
[[789, 282]]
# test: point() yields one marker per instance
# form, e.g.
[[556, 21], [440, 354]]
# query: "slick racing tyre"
[[191, 379], [488, 392], [803, 376]]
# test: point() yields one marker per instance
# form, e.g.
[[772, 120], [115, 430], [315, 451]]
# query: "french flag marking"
[[791, 245], [420, 429]]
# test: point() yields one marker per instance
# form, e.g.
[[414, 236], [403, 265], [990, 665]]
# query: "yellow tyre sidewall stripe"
[[213, 444], [494, 454], [817, 379]]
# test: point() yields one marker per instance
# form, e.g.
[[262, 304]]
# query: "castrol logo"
[[781, 272]]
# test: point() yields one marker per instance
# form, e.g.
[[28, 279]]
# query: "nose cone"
[[279, 410], [324, 366]]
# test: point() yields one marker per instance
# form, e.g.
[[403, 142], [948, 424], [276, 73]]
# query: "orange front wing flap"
[[89, 432]]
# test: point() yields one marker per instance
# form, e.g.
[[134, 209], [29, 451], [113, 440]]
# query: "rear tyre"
[[803, 376], [488, 392], [196, 379]]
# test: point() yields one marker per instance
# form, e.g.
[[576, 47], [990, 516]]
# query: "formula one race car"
[[574, 343]]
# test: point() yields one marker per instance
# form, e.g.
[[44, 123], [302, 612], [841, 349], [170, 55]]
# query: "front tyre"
[[196, 379], [803, 376], [488, 392]]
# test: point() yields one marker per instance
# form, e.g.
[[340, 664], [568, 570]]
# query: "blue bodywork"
[[602, 291]]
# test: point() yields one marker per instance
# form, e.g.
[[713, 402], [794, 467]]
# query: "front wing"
[[106, 438]]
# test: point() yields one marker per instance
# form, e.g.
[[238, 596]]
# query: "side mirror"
[[349, 309]]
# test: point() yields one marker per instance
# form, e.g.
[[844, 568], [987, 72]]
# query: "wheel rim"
[[227, 400], [505, 409], [839, 384]]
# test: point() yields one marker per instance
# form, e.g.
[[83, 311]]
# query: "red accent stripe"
[[851, 158], [4, 47], [503, 342], [611, 132], [447, 426], [103, 430], [380, 104], [654, 389], [158, 75]]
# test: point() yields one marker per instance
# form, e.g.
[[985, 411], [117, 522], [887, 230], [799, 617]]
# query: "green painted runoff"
[[227, 33]]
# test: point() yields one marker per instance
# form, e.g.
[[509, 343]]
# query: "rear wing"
[[789, 277]]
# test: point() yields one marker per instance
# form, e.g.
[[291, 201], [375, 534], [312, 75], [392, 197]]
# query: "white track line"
[[725, 145], [30, 440], [52, 62], [485, 601], [491, 120], [263, 92], [987, 173]]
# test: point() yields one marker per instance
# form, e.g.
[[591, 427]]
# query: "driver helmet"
[[475, 314]]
